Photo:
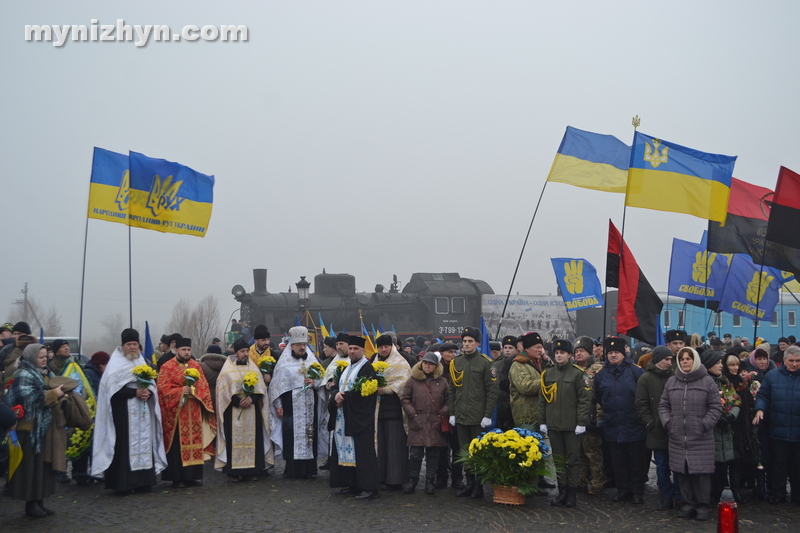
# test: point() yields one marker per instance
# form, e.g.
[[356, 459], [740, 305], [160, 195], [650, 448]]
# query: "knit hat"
[[22, 327], [783, 339], [510, 340], [384, 340], [238, 344], [57, 344], [475, 333], [130, 335], [660, 353], [261, 332], [584, 342], [531, 339], [711, 358], [100, 358], [562, 345], [213, 348]]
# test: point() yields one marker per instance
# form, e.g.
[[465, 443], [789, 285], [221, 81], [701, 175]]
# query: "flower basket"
[[508, 495]]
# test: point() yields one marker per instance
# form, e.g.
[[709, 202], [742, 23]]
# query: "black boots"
[[665, 504], [735, 479], [430, 485], [570, 500], [561, 499], [468, 488], [33, 510], [761, 485], [477, 492], [408, 488]]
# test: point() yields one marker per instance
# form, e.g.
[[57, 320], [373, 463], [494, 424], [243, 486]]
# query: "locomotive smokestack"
[[260, 281]]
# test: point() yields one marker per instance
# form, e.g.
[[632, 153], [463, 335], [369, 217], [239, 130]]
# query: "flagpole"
[[758, 300], [521, 252], [130, 277], [83, 285]]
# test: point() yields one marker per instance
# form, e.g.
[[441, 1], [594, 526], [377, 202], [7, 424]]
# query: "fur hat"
[[614, 344], [495, 346], [475, 333], [584, 342], [531, 339], [130, 335], [675, 335], [509, 340], [562, 345]]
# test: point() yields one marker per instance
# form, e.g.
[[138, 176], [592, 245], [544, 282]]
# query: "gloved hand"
[[580, 430], [453, 421], [723, 423], [543, 429], [486, 422]]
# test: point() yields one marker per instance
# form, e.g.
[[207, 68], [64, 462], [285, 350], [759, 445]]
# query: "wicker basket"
[[508, 495]]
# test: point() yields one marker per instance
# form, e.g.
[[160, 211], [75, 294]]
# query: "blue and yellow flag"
[[669, 177], [169, 197], [322, 327], [149, 193], [592, 161], [109, 187], [149, 352], [750, 291], [578, 281], [695, 273]]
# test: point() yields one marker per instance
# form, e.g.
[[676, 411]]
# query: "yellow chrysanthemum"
[[369, 387], [264, 359], [250, 379], [380, 366], [342, 364], [192, 373]]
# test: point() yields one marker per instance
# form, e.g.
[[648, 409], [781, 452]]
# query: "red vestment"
[[197, 411]]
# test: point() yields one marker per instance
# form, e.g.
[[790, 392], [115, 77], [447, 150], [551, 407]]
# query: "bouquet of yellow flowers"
[[511, 459], [190, 377], [249, 383], [266, 363], [380, 367], [315, 371], [145, 376], [365, 386], [340, 366]]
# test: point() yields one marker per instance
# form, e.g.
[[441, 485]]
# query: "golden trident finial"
[[635, 122]]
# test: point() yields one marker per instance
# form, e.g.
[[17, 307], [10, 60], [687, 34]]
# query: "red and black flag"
[[638, 305], [746, 225], [784, 219]]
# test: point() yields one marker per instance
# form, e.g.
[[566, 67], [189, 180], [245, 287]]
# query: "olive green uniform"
[[592, 469], [523, 385], [565, 403]]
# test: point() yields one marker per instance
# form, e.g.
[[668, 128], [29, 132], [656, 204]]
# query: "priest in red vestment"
[[187, 414]]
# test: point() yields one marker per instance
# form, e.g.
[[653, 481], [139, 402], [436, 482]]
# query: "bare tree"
[[113, 324], [199, 323], [34, 314]]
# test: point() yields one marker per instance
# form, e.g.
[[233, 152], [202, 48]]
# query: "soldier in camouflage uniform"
[[566, 398], [504, 418], [592, 442], [473, 396]]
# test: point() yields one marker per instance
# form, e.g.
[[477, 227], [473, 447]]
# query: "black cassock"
[[296, 468], [119, 476], [359, 423]]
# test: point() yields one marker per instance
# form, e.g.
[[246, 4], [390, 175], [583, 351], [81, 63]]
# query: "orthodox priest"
[[389, 416], [128, 445], [188, 416], [244, 448], [354, 464], [296, 407]]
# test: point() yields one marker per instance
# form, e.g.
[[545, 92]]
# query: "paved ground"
[[277, 504]]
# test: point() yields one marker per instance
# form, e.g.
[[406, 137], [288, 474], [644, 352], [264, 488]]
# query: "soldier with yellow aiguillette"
[[564, 414], [473, 395]]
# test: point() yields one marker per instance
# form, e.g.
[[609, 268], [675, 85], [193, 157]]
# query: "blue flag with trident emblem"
[[695, 273], [750, 291], [578, 281]]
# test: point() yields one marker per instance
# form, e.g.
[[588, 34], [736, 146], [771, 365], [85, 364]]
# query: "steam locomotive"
[[431, 304]]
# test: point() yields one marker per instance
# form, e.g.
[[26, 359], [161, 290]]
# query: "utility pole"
[[27, 307]]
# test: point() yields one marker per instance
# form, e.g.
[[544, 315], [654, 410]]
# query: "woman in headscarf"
[[689, 409], [34, 479], [744, 442]]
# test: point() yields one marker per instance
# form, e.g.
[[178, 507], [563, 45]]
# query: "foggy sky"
[[373, 138]]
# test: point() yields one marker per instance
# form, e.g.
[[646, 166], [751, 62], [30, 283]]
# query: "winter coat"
[[424, 422], [473, 388], [615, 391], [212, 364], [689, 409], [648, 395], [524, 384], [92, 373], [759, 374], [779, 398], [723, 430], [570, 395]]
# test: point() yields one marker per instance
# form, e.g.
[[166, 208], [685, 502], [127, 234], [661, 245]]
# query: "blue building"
[[677, 314]]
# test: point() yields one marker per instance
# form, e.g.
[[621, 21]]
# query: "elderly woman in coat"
[[689, 409], [34, 479], [424, 401]]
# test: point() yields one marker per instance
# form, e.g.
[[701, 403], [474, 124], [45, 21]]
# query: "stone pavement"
[[277, 504]]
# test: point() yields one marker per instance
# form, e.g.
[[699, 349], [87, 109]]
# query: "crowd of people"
[[709, 413]]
